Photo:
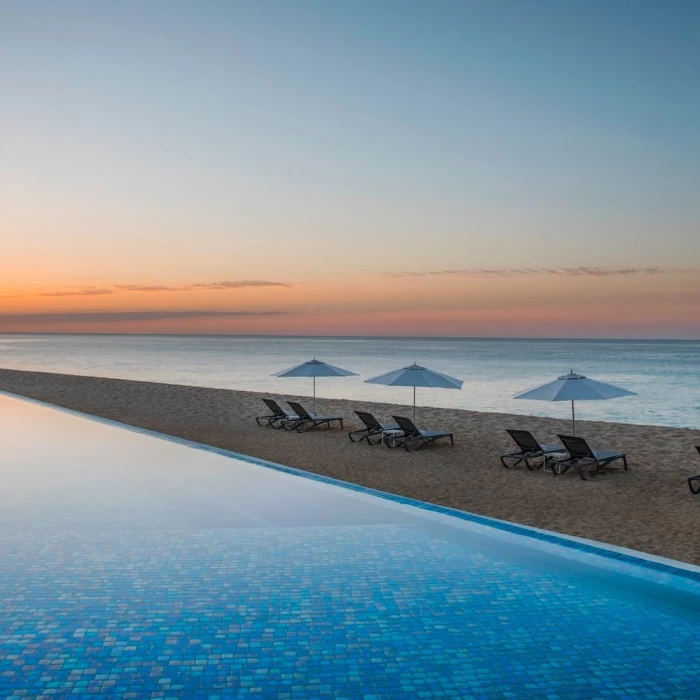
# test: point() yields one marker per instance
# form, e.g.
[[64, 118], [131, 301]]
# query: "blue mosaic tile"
[[368, 612], [550, 537]]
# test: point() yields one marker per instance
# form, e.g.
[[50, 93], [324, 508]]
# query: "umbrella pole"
[[573, 419], [414, 404], [314, 408]]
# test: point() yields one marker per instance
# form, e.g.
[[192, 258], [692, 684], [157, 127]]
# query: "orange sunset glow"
[[303, 178], [481, 303]]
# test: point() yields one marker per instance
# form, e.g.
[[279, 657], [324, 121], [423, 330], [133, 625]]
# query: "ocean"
[[665, 374]]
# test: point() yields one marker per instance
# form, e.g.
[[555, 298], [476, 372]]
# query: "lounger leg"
[[548, 463], [559, 468], [371, 434], [694, 484], [421, 444], [624, 461], [597, 466], [452, 440]]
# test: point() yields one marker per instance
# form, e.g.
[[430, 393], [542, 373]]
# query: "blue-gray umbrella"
[[416, 376], [315, 368], [574, 387]]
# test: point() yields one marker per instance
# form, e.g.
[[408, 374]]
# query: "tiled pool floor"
[[137, 567]]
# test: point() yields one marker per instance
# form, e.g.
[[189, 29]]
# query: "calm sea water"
[[665, 374]]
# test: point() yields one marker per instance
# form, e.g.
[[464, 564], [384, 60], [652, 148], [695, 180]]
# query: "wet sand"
[[648, 508]]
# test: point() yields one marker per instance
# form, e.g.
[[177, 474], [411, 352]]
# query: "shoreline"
[[648, 508]]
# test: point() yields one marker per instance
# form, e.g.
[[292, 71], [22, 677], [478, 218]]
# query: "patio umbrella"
[[574, 387], [315, 368], [414, 375]]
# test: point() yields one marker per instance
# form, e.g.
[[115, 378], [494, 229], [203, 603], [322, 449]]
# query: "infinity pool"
[[138, 567]]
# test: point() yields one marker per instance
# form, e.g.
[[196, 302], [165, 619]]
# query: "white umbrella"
[[315, 368], [574, 387], [414, 375]]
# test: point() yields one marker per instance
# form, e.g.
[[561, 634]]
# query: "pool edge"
[[612, 553]]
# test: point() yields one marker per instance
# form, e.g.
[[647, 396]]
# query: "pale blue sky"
[[192, 138]]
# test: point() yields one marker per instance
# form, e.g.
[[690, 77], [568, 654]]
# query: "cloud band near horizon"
[[551, 272], [117, 316], [152, 288]]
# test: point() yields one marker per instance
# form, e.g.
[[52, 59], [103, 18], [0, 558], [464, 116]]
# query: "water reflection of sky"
[[130, 564]]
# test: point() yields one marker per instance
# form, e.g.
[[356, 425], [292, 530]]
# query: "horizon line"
[[355, 337]]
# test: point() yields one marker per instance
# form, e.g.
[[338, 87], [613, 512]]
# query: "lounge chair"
[[583, 458], [529, 450], [277, 416], [308, 420], [414, 437], [372, 427], [694, 481]]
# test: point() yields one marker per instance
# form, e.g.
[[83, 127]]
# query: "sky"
[[355, 167]]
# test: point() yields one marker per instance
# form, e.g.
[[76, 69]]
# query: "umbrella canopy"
[[315, 368], [574, 387], [416, 376]]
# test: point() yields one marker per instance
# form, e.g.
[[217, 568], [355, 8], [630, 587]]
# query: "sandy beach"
[[648, 508]]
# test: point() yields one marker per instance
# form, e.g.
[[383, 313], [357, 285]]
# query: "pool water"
[[139, 567]]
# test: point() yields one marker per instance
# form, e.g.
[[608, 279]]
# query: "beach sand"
[[648, 508]]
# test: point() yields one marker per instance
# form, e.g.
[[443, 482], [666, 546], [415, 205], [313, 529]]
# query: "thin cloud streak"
[[239, 285], [552, 272], [87, 292], [151, 288], [215, 286], [118, 316]]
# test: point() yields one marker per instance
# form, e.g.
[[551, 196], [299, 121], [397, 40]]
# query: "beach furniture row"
[[573, 453], [298, 418], [402, 433]]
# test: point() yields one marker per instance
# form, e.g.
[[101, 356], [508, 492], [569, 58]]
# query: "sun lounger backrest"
[[577, 447], [274, 407], [369, 420], [300, 410], [406, 424], [524, 440]]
